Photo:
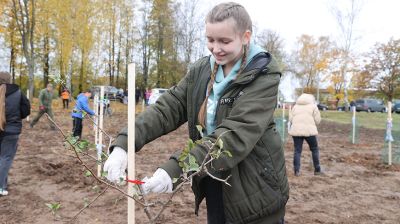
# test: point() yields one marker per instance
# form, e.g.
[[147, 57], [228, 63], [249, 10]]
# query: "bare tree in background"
[[346, 19], [24, 14], [272, 42], [190, 27], [144, 33]]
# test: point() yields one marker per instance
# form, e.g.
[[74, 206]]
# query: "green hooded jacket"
[[259, 183]]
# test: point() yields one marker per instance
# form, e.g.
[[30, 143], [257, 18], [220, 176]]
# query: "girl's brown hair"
[[5, 78], [243, 23]]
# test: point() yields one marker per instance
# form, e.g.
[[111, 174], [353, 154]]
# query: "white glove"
[[116, 165], [160, 182]]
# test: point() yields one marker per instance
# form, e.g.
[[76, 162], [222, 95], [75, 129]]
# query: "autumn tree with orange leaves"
[[383, 69], [311, 60]]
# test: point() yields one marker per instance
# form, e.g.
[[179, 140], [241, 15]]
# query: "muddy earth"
[[356, 188]]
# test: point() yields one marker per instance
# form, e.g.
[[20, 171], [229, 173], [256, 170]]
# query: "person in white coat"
[[304, 118]]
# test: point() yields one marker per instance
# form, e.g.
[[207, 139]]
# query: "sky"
[[377, 21]]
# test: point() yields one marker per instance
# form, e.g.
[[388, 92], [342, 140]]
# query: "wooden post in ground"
[[100, 127], [288, 122], [96, 112], [283, 122], [96, 131], [131, 140], [27, 96], [390, 140], [353, 138]]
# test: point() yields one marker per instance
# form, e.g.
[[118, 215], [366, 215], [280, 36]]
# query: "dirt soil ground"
[[356, 188]]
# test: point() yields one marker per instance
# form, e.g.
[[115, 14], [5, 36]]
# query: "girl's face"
[[224, 41]]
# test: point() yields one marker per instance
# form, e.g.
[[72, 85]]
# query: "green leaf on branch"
[[136, 191], [190, 145], [182, 156], [228, 153], [85, 202], [220, 143], [72, 139], [174, 180], [104, 173], [194, 167], [96, 188], [88, 173], [200, 129], [192, 159], [83, 145], [185, 167], [104, 156]]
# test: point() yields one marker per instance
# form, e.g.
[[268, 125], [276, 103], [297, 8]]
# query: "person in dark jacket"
[[81, 107], [45, 102], [232, 94], [10, 125]]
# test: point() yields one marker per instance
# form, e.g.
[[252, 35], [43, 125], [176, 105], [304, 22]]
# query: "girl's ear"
[[246, 37]]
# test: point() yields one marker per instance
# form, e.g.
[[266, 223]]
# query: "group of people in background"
[[144, 94]]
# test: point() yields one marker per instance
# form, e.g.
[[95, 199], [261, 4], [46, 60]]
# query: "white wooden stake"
[[353, 139], [131, 140], [283, 121], [27, 96], [100, 133], [389, 142], [96, 130], [96, 112], [289, 111]]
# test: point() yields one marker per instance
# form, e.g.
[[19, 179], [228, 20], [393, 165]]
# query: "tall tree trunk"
[[68, 76], [118, 58], [13, 51], [12, 62], [46, 60], [160, 53], [81, 74], [111, 63], [126, 60], [25, 20]]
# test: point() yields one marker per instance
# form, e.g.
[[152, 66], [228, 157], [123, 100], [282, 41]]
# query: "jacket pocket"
[[265, 149], [270, 179]]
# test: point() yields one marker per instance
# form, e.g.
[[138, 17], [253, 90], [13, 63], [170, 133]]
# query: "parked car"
[[155, 93], [342, 108], [322, 107], [370, 105], [396, 106], [110, 92]]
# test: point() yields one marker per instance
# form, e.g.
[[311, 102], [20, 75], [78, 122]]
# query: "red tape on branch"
[[137, 182]]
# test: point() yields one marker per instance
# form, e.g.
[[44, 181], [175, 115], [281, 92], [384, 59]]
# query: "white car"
[[155, 93]]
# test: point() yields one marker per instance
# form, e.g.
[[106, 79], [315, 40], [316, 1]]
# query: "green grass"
[[368, 120]]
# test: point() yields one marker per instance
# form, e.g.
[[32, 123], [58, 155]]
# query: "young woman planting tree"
[[232, 94]]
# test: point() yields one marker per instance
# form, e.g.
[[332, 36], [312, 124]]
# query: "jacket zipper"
[[230, 86]]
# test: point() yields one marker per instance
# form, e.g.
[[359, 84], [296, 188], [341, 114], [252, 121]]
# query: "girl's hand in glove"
[[116, 165], [160, 182]]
